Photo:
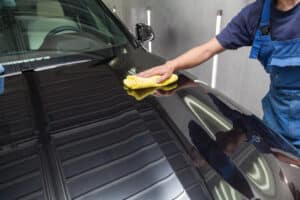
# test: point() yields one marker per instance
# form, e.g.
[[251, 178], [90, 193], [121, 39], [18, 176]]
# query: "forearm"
[[197, 55]]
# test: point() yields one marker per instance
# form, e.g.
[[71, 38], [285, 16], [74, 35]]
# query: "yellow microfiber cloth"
[[135, 82], [143, 93]]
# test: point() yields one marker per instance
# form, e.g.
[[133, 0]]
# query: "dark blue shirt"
[[241, 30]]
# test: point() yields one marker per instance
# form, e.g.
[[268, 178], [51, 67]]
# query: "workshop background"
[[181, 25]]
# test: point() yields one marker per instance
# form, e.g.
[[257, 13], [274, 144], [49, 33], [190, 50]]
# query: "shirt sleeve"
[[240, 31]]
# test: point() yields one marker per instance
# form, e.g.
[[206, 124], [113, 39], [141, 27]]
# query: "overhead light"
[[216, 57], [149, 12], [295, 166]]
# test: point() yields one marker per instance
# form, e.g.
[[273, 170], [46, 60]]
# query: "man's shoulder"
[[254, 8], [251, 15]]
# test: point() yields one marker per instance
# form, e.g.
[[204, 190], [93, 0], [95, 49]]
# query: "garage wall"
[[181, 25]]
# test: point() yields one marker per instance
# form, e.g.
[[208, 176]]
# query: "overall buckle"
[[265, 30]]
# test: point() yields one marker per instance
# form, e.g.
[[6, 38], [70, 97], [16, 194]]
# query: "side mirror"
[[144, 32]]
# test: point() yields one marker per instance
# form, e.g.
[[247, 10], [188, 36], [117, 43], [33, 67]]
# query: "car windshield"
[[33, 30]]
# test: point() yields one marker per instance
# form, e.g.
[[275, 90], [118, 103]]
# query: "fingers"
[[164, 77], [145, 73], [151, 72], [164, 71]]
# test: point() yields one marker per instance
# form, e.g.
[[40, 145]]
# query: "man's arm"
[[191, 58], [197, 55], [238, 33]]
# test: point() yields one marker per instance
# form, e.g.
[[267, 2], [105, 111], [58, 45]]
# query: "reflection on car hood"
[[238, 155], [74, 133]]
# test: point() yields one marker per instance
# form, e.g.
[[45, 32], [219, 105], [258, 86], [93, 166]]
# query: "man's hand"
[[192, 58], [165, 71]]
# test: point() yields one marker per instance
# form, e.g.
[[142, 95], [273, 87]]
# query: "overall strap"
[[266, 14], [263, 32]]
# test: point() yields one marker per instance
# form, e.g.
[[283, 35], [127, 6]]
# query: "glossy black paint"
[[231, 153], [74, 133]]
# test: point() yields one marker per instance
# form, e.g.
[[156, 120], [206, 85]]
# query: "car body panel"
[[90, 139], [93, 141]]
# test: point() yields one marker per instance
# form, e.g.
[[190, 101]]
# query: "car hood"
[[75, 133], [236, 153]]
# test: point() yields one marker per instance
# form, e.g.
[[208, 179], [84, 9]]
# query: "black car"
[[69, 129]]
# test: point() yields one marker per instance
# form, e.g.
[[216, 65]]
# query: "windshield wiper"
[[48, 62], [62, 65]]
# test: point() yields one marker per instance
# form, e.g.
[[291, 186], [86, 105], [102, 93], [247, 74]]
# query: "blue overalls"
[[281, 59]]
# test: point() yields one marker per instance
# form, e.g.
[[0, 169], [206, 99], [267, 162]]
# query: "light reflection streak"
[[225, 192], [261, 178], [193, 102]]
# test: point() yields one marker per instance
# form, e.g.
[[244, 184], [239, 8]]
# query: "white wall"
[[180, 25]]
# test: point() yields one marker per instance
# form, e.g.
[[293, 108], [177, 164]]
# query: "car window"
[[37, 28]]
